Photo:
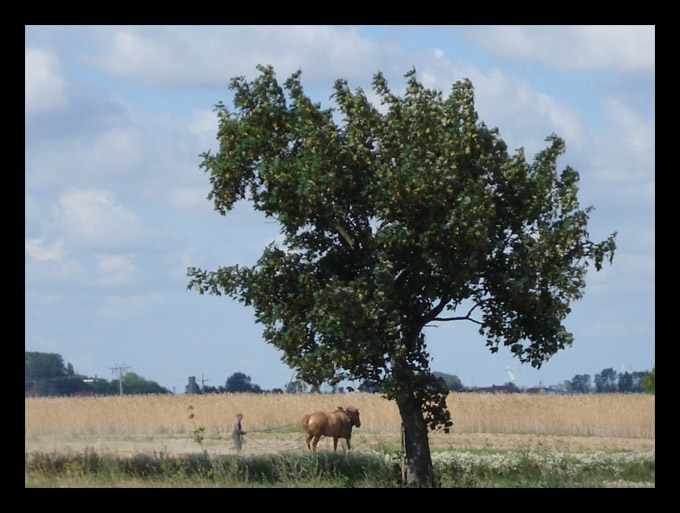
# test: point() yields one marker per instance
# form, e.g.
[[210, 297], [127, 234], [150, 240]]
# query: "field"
[[496, 440]]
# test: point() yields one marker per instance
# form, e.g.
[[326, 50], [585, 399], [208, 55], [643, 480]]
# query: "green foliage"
[[43, 365], [606, 381], [198, 431], [390, 221], [580, 384], [452, 381], [239, 382], [647, 382], [135, 384], [46, 375]]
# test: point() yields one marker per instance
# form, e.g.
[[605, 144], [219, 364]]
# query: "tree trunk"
[[418, 460]]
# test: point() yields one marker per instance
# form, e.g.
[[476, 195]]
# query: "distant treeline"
[[609, 381], [606, 382], [46, 375]]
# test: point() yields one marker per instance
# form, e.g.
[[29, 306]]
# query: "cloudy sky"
[[116, 209]]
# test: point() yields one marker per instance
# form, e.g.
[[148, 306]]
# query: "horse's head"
[[353, 415]]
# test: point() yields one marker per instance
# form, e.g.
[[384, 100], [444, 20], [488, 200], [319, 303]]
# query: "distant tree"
[[580, 384], [606, 381], [647, 382], [452, 381], [135, 384], [626, 382], [46, 375], [103, 387], [239, 382], [637, 382], [43, 365], [512, 387]]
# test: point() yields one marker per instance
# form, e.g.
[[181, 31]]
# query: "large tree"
[[393, 219]]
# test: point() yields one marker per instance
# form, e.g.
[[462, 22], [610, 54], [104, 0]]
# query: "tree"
[[626, 382], [513, 389], [389, 221], [46, 375], [239, 382], [648, 382], [44, 365], [135, 384], [452, 381], [606, 381], [579, 384]]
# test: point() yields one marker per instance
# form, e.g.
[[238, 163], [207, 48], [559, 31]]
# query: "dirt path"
[[263, 443]]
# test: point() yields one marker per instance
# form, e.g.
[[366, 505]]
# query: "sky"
[[116, 210]]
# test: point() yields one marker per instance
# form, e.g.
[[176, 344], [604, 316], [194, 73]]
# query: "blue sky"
[[116, 209]]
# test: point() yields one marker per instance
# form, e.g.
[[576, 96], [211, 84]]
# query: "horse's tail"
[[305, 422]]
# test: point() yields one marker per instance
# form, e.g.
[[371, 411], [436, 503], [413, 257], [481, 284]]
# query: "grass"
[[326, 469], [545, 469]]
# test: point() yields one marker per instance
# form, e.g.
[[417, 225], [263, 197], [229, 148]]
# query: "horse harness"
[[349, 418]]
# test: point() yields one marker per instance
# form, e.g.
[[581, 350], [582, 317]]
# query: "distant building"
[[497, 389], [545, 390], [192, 386]]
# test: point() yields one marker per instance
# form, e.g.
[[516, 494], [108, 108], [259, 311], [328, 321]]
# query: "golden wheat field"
[[161, 422]]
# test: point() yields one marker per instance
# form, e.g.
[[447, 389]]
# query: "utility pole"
[[203, 380], [120, 369]]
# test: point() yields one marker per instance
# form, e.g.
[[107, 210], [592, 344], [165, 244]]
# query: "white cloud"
[[115, 152], [524, 116], [624, 153], [186, 257], [631, 273], [47, 264], [37, 250], [583, 48], [191, 56], [44, 84], [189, 197], [636, 131], [203, 125], [92, 217], [115, 269], [129, 306]]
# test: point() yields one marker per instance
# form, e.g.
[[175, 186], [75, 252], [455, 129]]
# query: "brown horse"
[[337, 425]]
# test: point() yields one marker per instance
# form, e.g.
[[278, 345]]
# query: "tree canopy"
[[391, 219], [240, 382]]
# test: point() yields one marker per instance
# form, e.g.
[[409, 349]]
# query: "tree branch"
[[431, 316], [461, 318], [345, 236]]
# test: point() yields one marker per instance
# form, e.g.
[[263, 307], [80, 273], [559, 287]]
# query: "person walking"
[[237, 431]]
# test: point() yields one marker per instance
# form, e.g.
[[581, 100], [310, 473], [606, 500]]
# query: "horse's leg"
[[309, 439], [316, 441], [348, 444], [335, 443]]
